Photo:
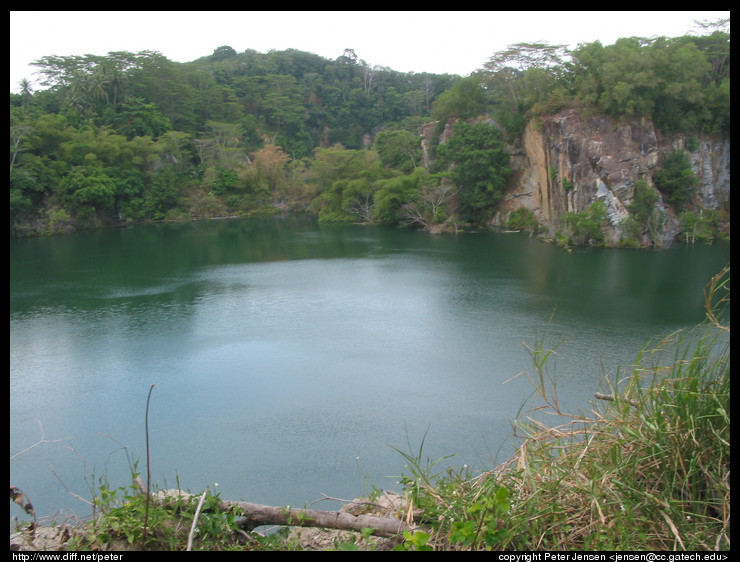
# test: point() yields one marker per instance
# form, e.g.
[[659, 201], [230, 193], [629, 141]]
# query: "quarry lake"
[[291, 358]]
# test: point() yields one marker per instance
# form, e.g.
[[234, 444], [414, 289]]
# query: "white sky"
[[406, 41]]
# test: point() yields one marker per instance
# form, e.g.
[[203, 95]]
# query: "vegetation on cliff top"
[[130, 137]]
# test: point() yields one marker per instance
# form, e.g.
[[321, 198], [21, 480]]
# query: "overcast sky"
[[437, 42]]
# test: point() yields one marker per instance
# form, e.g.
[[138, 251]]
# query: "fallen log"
[[257, 515]]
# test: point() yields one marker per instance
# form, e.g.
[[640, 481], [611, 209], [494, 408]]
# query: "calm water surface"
[[290, 358]]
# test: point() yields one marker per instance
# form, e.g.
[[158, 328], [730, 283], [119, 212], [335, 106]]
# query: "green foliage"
[[485, 525], [465, 99], [90, 187], [219, 111], [137, 118], [415, 541], [225, 181], [676, 179], [649, 470], [479, 166], [429, 204], [398, 149], [394, 193], [136, 114], [645, 215], [704, 226], [643, 201], [522, 219], [121, 513], [680, 83], [585, 227], [163, 194], [345, 181]]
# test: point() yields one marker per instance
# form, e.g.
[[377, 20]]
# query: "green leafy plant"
[[416, 540], [486, 526]]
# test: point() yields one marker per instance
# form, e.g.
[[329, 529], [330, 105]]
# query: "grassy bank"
[[648, 468]]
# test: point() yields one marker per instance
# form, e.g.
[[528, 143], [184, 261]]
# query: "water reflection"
[[284, 350]]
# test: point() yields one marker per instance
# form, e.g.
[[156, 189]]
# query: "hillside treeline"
[[130, 137]]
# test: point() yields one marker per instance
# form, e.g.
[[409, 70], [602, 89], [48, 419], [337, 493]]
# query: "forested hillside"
[[130, 137]]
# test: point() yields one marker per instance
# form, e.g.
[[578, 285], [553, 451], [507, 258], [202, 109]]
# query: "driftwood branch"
[[257, 515]]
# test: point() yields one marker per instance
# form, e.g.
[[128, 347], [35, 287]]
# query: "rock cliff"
[[566, 161]]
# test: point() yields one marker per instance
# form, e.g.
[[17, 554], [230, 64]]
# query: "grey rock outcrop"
[[567, 161]]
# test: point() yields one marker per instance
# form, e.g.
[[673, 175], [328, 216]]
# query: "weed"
[[648, 469]]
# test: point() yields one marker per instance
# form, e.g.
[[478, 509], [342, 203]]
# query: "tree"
[[430, 205], [393, 194], [523, 56], [644, 212], [17, 134], [465, 99], [221, 142], [91, 189], [223, 52], [266, 174], [479, 167], [676, 179], [358, 198], [164, 192], [523, 68], [281, 103], [26, 91], [139, 118], [398, 149]]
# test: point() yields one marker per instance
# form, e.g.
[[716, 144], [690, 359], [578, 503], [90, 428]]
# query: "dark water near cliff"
[[288, 356]]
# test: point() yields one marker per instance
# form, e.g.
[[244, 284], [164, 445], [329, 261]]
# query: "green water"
[[288, 356]]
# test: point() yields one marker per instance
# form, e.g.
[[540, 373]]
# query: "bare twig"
[[195, 520], [70, 492], [39, 442], [351, 502]]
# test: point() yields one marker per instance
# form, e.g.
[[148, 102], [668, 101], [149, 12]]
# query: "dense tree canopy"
[[134, 136], [479, 163]]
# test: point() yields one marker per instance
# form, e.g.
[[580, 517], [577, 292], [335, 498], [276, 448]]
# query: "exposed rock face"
[[711, 164], [566, 162], [427, 133]]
